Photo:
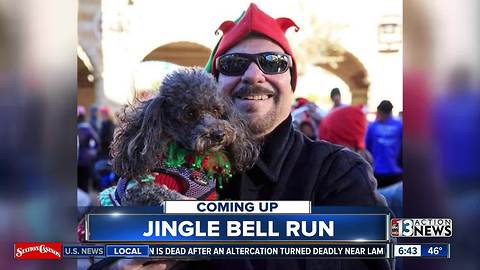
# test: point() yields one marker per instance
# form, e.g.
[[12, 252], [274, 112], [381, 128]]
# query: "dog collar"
[[215, 165]]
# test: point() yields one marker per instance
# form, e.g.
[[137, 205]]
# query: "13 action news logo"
[[421, 227], [47, 250]]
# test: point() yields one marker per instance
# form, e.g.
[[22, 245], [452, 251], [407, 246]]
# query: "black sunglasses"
[[235, 64]]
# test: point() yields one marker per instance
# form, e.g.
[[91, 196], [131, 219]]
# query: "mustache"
[[253, 90]]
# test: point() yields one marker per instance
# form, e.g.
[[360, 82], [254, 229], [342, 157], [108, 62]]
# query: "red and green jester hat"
[[252, 21]]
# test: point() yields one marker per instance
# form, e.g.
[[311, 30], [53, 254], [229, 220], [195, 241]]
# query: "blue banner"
[[436, 250], [236, 228], [128, 251]]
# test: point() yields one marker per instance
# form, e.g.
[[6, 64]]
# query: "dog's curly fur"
[[149, 194], [190, 110]]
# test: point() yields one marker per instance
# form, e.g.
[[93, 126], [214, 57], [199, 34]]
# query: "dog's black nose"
[[218, 135]]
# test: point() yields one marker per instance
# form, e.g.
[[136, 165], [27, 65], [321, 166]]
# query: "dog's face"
[[190, 110], [195, 113]]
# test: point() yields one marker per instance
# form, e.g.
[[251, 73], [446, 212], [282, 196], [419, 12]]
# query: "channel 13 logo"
[[421, 227]]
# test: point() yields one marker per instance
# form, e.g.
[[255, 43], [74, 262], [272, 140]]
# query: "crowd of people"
[[95, 134], [378, 142]]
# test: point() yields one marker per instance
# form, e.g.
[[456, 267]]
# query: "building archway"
[[183, 53], [164, 59], [352, 72]]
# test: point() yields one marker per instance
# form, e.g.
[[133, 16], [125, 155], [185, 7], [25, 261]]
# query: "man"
[[255, 66], [336, 98], [263, 91], [384, 141]]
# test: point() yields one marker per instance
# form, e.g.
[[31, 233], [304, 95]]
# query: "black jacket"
[[292, 167]]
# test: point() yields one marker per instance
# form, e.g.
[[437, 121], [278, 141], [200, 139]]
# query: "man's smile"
[[253, 93], [254, 97], [251, 103]]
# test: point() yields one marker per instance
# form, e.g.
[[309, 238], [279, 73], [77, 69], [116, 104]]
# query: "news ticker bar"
[[228, 251], [349, 250]]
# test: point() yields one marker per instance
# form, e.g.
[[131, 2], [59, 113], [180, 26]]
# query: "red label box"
[[38, 250]]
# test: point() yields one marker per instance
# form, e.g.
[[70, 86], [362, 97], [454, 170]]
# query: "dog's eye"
[[216, 111], [190, 114]]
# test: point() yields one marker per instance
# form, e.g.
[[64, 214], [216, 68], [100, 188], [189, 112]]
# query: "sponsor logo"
[[46, 250]]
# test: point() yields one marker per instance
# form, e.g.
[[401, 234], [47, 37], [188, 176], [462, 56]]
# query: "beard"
[[260, 124], [259, 121]]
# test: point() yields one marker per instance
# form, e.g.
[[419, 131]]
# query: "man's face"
[[265, 99], [337, 99]]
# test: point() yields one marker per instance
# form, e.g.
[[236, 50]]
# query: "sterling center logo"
[[46, 251]]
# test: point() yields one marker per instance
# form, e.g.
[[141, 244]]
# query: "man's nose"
[[253, 74]]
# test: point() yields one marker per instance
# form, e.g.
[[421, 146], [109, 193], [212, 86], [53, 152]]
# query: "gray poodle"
[[187, 128]]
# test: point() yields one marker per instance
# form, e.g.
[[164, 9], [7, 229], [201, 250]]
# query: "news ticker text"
[[178, 251]]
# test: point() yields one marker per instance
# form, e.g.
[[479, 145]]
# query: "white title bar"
[[237, 207]]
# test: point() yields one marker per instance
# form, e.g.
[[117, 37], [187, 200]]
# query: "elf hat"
[[256, 21]]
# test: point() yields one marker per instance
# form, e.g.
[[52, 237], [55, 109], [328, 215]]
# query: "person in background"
[[394, 196], [299, 102], [384, 141], [336, 98], [88, 143], [107, 127], [306, 117], [308, 129], [346, 126], [93, 117]]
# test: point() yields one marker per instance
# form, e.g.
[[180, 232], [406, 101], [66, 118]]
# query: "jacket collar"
[[275, 149]]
